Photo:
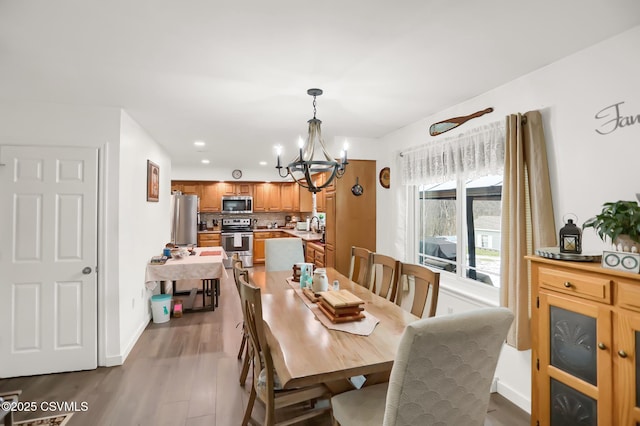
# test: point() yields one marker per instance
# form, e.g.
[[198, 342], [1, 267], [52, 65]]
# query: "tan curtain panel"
[[527, 217]]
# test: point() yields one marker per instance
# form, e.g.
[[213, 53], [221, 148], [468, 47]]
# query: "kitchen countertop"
[[305, 235]]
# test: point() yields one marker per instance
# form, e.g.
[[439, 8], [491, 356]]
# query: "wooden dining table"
[[305, 352]]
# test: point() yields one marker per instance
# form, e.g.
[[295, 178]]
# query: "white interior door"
[[48, 257]]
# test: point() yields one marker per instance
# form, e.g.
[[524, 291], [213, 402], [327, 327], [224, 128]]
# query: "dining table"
[[205, 264], [306, 352]]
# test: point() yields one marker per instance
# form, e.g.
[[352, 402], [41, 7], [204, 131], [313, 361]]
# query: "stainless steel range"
[[236, 236]]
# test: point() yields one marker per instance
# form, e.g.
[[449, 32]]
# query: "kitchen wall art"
[[451, 123]]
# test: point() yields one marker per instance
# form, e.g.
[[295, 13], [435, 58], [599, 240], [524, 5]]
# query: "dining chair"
[[383, 275], [6, 413], [239, 271], [417, 289], [359, 268], [442, 374], [266, 385], [282, 253]]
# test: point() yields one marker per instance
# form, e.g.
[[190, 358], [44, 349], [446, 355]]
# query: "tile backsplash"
[[264, 219]]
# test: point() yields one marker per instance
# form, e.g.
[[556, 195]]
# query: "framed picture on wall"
[[153, 181]]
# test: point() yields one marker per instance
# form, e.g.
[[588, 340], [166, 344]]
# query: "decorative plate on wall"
[[385, 177], [237, 174]]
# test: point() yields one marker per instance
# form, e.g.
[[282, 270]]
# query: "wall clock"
[[237, 174], [385, 177]]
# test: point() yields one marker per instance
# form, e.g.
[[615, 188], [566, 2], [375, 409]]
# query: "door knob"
[[601, 345], [86, 270], [622, 353]]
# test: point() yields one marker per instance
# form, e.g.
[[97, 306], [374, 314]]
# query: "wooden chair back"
[[418, 288], [360, 267], [384, 275]]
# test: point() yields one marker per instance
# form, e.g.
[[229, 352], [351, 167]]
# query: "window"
[[444, 218]]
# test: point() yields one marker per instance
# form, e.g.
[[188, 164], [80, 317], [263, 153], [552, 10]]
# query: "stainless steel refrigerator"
[[184, 219]]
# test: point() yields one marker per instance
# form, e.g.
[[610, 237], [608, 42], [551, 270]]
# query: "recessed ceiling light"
[[263, 163], [205, 161], [199, 143]]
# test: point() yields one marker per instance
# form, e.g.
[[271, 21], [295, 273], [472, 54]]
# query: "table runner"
[[364, 327]]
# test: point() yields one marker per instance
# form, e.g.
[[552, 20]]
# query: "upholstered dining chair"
[[359, 267], [266, 384], [441, 375], [282, 253], [239, 271], [418, 288], [383, 275]]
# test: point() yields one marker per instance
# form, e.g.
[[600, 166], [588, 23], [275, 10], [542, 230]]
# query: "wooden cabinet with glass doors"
[[585, 342]]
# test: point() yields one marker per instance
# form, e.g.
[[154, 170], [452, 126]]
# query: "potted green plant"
[[620, 221]]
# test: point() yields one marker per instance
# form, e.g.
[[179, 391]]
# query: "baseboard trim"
[[515, 397], [115, 360]]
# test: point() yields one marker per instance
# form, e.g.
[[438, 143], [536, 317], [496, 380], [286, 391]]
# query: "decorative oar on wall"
[[452, 123]]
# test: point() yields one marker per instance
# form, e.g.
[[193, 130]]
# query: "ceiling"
[[234, 73]]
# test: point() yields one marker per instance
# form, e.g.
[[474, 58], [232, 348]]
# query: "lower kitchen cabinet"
[[585, 344], [314, 253], [259, 238], [208, 239]]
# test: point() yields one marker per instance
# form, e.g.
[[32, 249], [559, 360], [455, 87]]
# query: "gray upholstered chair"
[[282, 253], [442, 374]]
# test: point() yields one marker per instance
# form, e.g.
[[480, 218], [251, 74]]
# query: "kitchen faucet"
[[311, 223]]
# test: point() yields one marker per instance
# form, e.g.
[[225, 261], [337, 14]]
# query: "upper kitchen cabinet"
[[186, 187], [210, 199], [290, 197], [306, 200], [266, 197], [236, 188]]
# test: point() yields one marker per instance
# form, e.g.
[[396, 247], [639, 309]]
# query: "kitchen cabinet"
[[350, 219], [210, 199], [290, 197], [259, 237], [236, 188], [585, 340], [266, 197], [306, 200], [186, 187], [208, 239], [314, 253]]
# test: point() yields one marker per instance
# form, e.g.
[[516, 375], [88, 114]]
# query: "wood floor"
[[184, 372]]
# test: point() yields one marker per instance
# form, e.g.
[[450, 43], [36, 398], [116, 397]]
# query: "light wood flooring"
[[184, 372]]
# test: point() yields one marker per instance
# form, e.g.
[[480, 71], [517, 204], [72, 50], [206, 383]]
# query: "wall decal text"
[[614, 119]]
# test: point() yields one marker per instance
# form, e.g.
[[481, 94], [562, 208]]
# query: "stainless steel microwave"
[[237, 204]]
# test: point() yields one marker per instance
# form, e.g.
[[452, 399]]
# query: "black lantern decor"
[[570, 238]]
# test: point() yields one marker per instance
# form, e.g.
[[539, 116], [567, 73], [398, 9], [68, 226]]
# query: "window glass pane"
[[483, 229], [437, 226], [439, 207]]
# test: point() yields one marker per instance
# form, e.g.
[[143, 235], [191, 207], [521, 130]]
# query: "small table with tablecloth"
[[205, 264]]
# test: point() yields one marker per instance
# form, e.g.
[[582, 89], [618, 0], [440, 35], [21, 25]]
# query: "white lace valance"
[[478, 152]]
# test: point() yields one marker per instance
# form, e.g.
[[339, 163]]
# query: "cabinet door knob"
[[567, 284], [601, 345], [622, 353]]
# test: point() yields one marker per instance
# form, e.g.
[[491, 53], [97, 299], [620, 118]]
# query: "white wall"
[[587, 169], [144, 226]]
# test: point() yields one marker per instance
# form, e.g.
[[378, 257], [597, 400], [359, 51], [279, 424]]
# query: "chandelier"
[[304, 166]]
